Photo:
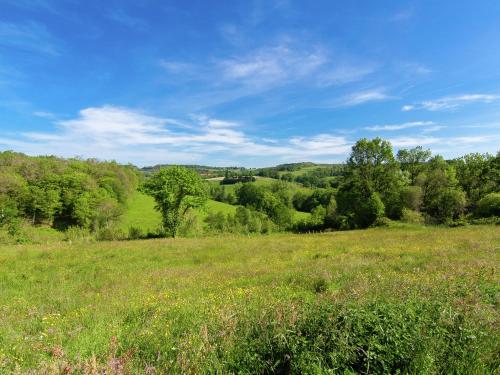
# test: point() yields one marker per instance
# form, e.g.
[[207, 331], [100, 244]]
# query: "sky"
[[249, 83]]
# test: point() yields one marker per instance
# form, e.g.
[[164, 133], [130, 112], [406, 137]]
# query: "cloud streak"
[[124, 134], [362, 97], [405, 125], [28, 37], [451, 102]]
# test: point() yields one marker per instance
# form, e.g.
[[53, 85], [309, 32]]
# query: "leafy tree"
[[477, 175], [413, 161], [175, 190], [442, 197], [412, 197], [358, 204], [372, 168], [489, 205]]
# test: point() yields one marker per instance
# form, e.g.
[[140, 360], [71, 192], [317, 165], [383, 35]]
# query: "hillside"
[[376, 301], [141, 213]]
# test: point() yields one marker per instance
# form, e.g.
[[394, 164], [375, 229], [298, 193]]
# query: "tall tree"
[[373, 166], [176, 190], [413, 161]]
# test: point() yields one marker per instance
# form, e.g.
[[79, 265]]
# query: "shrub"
[[412, 217], [375, 337], [110, 234], [135, 233], [451, 204], [382, 222], [489, 205], [75, 233]]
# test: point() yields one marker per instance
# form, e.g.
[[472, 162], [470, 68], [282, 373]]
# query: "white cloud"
[[405, 125], [453, 142], [274, 65], [285, 62], [126, 135], [43, 114], [362, 97], [452, 102]]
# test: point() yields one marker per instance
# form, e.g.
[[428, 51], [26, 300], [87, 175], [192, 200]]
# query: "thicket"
[[62, 192]]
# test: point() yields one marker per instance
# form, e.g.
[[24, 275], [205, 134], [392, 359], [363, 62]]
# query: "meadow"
[[407, 299]]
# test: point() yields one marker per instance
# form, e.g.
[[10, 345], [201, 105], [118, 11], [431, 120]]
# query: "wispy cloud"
[[124, 134], [28, 37], [451, 102], [284, 63], [43, 114], [410, 141], [405, 125], [366, 96]]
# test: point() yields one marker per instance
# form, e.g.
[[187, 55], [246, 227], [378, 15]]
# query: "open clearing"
[[188, 305]]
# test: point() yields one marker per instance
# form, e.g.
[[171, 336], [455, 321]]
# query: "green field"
[[414, 299], [141, 213]]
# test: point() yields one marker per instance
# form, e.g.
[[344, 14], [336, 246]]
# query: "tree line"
[[376, 185], [62, 192], [373, 187]]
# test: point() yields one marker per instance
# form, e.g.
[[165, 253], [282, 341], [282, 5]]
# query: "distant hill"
[[211, 171]]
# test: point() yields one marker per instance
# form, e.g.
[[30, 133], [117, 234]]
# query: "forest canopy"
[[63, 192]]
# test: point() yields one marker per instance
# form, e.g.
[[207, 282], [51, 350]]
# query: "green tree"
[[413, 161], [372, 168], [443, 198], [476, 175], [175, 190], [489, 205]]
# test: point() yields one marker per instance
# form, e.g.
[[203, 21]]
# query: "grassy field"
[[414, 299], [141, 212]]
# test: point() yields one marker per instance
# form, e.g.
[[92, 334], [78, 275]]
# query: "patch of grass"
[[382, 300], [141, 214]]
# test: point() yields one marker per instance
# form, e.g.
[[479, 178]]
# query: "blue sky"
[[253, 83]]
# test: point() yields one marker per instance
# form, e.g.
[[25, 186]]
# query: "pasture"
[[410, 299]]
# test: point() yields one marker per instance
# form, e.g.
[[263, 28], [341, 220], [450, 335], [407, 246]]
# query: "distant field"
[[417, 299], [141, 213]]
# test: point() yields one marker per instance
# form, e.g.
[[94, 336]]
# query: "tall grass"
[[384, 300]]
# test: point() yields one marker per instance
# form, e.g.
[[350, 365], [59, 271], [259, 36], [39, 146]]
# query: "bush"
[[375, 337], [75, 233], [382, 222], [135, 233], [412, 217], [412, 197], [489, 205], [110, 234]]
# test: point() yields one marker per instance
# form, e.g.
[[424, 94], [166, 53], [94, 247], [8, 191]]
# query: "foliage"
[[412, 197], [63, 192], [478, 175], [489, 205], [176, 190], [358, 204], [412, 217], [274, 201], [442, 197], [413, 161]]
